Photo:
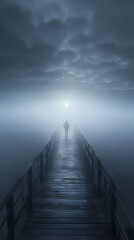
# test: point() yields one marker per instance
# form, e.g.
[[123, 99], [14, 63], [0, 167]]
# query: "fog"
[[26, 124]]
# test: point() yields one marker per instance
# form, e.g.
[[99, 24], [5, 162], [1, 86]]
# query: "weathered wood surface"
[[67, 205]]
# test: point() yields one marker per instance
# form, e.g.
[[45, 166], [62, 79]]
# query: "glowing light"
[[66, 105]]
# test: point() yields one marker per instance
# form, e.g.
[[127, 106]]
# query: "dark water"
[[17, 149], [115, 148]]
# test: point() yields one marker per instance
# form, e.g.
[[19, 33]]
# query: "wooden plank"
[[61, 237], [80, 232], [105, 227], [70, 220], [67, 205], [69, 202]]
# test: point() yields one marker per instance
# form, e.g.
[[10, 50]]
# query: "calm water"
[[115, 148], [17, 149]]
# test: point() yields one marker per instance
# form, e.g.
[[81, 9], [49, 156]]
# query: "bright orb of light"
[[66, 105]]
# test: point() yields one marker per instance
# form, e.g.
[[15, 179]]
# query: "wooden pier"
[[65, 194]]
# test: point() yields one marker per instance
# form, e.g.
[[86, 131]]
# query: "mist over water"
[[25, 127]]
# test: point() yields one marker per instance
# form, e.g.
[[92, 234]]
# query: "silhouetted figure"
[[66, 127]]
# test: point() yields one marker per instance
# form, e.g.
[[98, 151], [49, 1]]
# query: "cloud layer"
[[72, 44]]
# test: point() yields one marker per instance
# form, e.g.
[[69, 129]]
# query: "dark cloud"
[[79, 44], [51, 11]]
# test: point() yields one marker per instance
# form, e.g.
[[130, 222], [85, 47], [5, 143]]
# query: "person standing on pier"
[[66, 126]]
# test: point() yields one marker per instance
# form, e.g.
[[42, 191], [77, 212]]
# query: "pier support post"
[[10, 218], [113, 205], [30, 189], [99, 177], [41, 167]]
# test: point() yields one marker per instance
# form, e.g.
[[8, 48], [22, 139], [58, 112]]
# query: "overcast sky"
[[47, 46]]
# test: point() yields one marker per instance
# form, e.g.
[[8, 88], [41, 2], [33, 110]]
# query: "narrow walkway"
[[67, 205]]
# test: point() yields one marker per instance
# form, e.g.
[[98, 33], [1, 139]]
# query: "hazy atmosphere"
[[66, 59]]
